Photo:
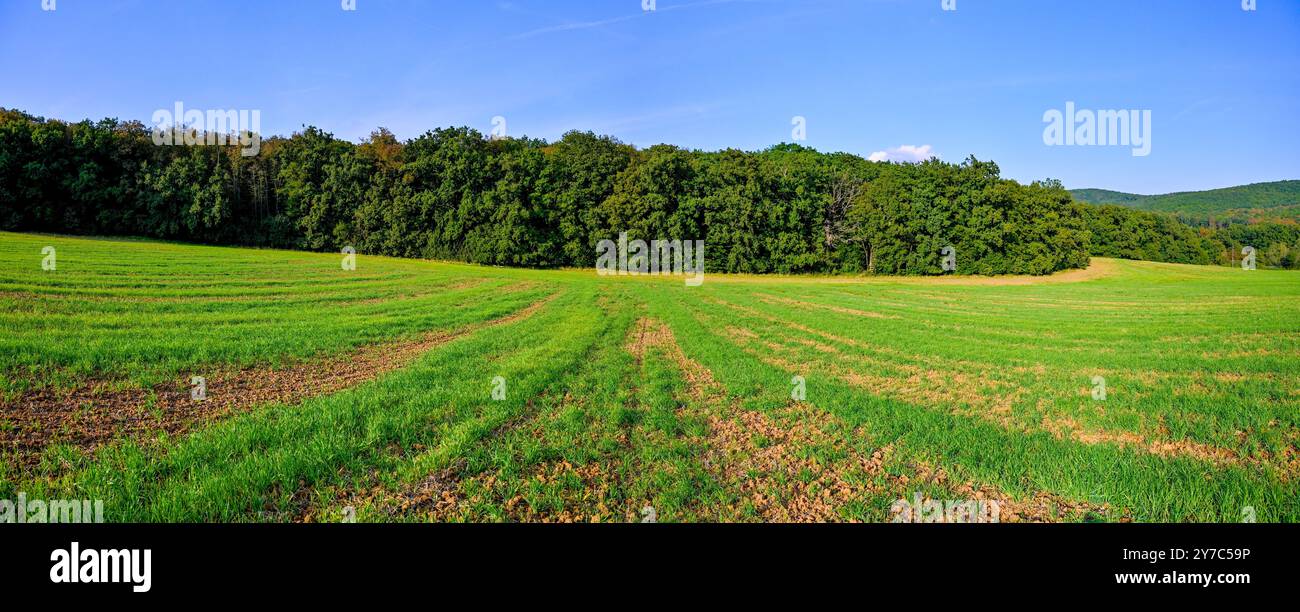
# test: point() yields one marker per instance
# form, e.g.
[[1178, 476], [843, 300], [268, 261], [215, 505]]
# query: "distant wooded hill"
[[1254, 203]]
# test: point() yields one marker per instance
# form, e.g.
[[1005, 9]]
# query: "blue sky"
[[1222, 83]]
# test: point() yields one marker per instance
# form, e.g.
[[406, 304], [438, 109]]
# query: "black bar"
[[232, 561]]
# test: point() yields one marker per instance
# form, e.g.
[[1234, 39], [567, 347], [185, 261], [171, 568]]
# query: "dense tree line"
[[1126, 233], [1277, 245], [456, 194]]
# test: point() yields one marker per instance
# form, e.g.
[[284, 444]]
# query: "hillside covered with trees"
[[1197, 226], [1254, 203], [453, 193]]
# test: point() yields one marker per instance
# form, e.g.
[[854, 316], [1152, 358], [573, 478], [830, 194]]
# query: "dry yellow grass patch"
[[1098, 267]]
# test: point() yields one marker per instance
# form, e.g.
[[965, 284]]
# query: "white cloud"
[[904, 153]]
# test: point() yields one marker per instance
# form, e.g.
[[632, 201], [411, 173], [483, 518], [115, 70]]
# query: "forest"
[[456, 194]]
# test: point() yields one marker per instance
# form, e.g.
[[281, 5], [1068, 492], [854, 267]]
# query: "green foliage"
[[1240, 204], [1277, 245], [911, 212], [1125, 233], [1133, 234], [452, 193]]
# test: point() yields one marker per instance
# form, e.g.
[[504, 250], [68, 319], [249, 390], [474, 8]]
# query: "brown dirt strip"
[[935, 388], [775, 480], [581, 503], [441, 496], [1039, 507], [438, 497], [944, 384], [588, 501], [93, 415], [932, 387], [1064, 426], [761, 454], [984, 396], [758, 455]]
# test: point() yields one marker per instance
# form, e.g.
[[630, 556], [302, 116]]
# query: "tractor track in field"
[[935, 388], [767, 476], [915, 388], [1037, 506], [441, 496], [759, 455], [93, 415], [784, 483], [435, 497]]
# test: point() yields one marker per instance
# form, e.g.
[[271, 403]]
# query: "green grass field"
[[368, 394]]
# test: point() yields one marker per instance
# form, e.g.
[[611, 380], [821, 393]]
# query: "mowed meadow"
[[409, 390]]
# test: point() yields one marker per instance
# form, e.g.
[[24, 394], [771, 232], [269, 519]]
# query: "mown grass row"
[[263, 463], [141, 313], [604, 442], [990, 383], [1255, 418]]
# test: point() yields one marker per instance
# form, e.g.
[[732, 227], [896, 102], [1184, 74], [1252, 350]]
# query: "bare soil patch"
[[987, 398], [766, 456], [93, 415]]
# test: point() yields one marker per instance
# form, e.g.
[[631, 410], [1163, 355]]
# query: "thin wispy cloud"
[[600, 23]]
